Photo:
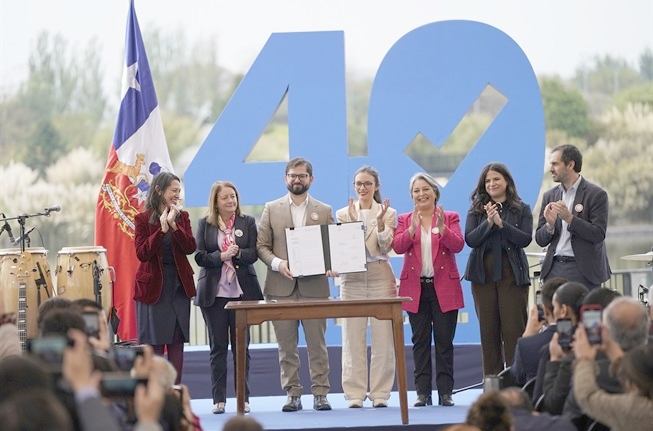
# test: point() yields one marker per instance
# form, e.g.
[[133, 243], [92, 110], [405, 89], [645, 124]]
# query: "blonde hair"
[[212, 215]]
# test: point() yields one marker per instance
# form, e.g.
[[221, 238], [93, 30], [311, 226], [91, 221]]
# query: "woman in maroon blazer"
[[429, 237], [164, 279]]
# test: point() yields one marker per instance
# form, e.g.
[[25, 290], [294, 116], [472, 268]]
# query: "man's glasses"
[[366, 184], [302, 177]]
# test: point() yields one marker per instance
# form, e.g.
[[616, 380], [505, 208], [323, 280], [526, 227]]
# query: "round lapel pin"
[[578, 208], [238, 233], [314, 216], [435, 230]]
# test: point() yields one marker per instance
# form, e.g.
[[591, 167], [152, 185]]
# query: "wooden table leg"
[[398, 335], [241, 359]]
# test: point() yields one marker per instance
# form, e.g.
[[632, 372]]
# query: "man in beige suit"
[[296, 209]]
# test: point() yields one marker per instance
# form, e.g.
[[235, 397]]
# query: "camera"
[[50, 348], [591, 318], [124, 356], [565, 333], [538, 303], [92, 321], [119, 385]]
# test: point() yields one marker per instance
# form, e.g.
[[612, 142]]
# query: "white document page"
[[305, 254], [347, 247]]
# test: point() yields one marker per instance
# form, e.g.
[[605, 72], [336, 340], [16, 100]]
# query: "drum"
[[75, 278], [36, 270]]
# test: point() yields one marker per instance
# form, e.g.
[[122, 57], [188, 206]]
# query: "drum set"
[[643, 291], [81, 272], [26, 279]]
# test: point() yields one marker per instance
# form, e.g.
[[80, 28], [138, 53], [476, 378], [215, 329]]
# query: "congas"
[[77, 268], [31, 267]]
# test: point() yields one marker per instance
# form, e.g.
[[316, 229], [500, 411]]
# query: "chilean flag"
[[138, 152]]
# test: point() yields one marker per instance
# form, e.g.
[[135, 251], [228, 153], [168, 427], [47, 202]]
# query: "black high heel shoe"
[[446, 400], [423, 400]]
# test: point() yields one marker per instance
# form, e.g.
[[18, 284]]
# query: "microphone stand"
[[97, 283], [40, 282], [21, 221]]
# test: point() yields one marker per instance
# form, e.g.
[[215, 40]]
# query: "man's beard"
[[298, 190]]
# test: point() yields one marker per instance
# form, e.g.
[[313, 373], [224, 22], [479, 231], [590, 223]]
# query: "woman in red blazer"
[[429, 237], [164, 279]]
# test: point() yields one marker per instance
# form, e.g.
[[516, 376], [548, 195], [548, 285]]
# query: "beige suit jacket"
[[374, 244], [271, 243]]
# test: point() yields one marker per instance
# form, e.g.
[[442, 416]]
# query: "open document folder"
[[318, 248]]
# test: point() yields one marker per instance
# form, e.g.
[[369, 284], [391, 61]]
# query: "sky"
[[557, 35]]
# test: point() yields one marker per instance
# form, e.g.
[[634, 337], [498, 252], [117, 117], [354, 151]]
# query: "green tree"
[[564, 108], [621, 162], [636, 95], [606, 75]]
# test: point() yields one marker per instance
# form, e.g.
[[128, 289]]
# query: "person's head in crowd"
[[242, 423], [164, 371], [34, 410], [628, 322], [54, 303], [490, 413], [19, 373], [58, 322], [86, 304], [548, 289], [601, 296], [567, 301], [636, 370], [515, 398]]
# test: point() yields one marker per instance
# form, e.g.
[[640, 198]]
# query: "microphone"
[[7, 227], [19, 240], [52, 209]]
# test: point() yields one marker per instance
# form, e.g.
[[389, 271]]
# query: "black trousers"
[[430, 321], [221, 325]]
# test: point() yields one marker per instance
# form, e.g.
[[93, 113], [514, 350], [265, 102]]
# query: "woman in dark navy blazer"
[[499, 225], [226, 252], [429, 238]]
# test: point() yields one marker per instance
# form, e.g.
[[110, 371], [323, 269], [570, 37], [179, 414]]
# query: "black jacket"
[[515, 235]]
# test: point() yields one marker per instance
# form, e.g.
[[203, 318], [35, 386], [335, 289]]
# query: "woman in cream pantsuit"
[[377, 282]]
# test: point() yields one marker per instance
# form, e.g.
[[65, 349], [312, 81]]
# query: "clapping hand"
[[493, 217], [173, 212], [351, 210], [380, 225], [440, 221], [164, 221]]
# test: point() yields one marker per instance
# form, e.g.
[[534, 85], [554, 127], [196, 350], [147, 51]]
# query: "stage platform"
[[267, 397], [267, 411]]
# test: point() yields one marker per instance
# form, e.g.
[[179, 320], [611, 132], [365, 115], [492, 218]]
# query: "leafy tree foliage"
[[606, 75], [564, 108], [621, 162]]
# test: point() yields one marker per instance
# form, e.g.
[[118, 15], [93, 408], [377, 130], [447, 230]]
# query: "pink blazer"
[[444, 248]]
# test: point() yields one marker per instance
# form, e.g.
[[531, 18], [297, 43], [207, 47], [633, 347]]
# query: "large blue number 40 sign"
[[425, 85]]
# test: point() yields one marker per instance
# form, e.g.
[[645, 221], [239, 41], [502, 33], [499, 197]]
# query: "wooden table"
[[257, 312]]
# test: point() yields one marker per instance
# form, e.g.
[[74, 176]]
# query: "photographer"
[[630, 411]]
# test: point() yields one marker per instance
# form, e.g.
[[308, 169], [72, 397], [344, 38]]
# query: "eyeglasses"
[[366, 184], [302, 177]]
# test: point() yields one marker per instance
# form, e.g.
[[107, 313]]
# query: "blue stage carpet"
[[267, 411], [268, 398], [264, 369]]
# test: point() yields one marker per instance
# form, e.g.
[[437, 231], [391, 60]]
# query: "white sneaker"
[[246, 409], [379, 402], [355, 403]]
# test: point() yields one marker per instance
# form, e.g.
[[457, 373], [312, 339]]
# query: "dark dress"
[[156, 322]]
